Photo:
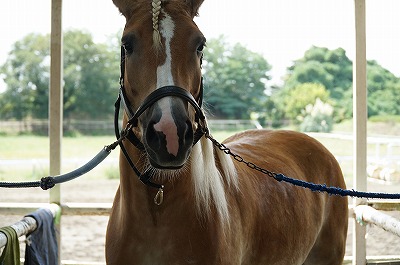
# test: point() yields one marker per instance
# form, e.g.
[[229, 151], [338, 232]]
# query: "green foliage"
[[273, 115], [301, 96], [383, 91], [317, 117], [333, 70], [234, 79], [90, 72], [26, 73]]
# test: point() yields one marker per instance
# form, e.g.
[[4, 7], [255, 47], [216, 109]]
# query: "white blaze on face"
[[167, 125], [164, 72]]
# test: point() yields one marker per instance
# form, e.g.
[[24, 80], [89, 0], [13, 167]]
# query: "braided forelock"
[[156, 10]]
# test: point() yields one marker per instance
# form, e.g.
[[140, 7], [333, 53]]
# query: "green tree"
[[235, 79], [333, 70], [330, 68], [301, 96], [90, 78], [317, 117], [26, 73], [383, 91]]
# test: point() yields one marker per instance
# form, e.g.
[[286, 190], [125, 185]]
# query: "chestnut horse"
[[215, 210]]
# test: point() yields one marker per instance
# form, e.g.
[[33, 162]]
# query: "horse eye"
[[199, 51], [128, 48], [201, 47], [128, 42]]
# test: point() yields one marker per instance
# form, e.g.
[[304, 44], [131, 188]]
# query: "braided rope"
[[156, 10]]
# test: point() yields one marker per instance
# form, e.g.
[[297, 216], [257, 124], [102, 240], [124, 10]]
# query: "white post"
[[56, 102], [360, 126]]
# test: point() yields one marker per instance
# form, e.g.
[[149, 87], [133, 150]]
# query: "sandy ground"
[[83, 236]]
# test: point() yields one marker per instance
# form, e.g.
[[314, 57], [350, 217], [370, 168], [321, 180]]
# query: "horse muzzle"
[[168, 130], [167, 133]]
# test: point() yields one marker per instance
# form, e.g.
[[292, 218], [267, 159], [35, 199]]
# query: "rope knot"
[[47, 183]]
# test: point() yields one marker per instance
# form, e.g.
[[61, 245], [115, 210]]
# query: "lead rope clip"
[[159, 198]]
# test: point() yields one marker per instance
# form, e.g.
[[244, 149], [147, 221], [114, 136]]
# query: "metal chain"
[[239, 158]]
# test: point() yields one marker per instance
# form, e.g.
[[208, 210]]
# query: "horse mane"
[[156, 10], [210, 183]]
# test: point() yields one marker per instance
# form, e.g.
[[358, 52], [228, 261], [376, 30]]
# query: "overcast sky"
[[279, 29]]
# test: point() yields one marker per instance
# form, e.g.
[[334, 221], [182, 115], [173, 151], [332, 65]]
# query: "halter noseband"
[[133, 117]]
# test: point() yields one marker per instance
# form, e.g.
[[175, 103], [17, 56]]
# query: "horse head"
[[162, 51]]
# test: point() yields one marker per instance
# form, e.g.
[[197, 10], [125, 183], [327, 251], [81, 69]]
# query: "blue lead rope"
[[335, 190]]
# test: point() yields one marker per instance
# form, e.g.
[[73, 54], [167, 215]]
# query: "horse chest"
[[165, 244]]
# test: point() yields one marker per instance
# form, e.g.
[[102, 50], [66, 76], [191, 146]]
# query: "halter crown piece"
[[150, 100]]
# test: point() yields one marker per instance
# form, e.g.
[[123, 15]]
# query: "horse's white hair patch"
[[164, 71]]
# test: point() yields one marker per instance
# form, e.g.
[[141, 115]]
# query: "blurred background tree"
[[236, 83], [331, 70], [235, 80], [90, 78], [26, 73]]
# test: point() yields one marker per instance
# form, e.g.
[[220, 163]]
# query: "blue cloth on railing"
[[41, 244], [10, 255]]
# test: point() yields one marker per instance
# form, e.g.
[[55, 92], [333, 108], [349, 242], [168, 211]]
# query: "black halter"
[[150, 100]]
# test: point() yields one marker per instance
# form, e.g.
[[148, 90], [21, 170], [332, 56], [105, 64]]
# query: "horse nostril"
[[153, 137], [188, 134]]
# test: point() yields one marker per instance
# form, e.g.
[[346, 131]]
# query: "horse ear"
[[194, 6], [124, 7]]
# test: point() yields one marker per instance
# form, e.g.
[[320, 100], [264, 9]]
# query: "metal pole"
[[360, 126], [56, 102]]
